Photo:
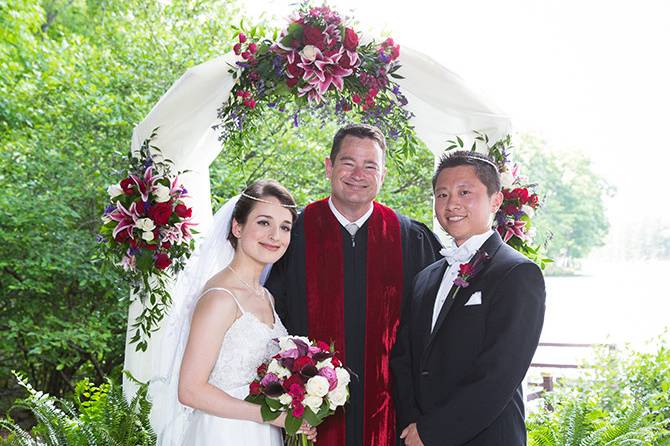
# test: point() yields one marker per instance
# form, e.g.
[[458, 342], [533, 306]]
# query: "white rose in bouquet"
[[317, 386], [278, 369], [313, 402], [161, 193], [145, 224], [338, 397], [343, 377], [286, 342], [309, 52], [114, 190], [325, 363], [285, 399], [147, 236]]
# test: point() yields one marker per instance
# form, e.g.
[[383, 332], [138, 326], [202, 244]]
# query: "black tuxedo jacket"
[[461, 383]]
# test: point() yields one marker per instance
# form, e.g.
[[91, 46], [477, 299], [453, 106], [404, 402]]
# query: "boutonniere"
[[468, 271]]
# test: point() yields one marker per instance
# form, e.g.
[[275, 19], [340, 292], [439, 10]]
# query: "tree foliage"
[[75, 77], [573, 214]]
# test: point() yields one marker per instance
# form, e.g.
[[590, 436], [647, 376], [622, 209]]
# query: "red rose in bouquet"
[[183, 211], [160, 213], [162, 260]]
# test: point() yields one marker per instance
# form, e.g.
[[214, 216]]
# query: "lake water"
[[608, 303]]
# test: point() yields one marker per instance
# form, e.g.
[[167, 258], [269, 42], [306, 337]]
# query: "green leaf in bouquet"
[[324, 411], [268, 414], [144, 261], [292, 423], [256, 399], [312, 418], [273, 403]]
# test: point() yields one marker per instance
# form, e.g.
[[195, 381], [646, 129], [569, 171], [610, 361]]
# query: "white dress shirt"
[[465, 252], [343, 220]]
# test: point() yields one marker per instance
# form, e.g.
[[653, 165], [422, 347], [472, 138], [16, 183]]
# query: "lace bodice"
[[247, 344]]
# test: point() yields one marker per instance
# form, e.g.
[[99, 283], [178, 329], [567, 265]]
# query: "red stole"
[[325, 311]]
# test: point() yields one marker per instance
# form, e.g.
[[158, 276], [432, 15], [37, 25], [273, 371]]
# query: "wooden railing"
[[548, 379]]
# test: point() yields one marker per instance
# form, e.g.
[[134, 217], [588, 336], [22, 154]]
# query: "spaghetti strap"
[[227, 291], [269, 296]]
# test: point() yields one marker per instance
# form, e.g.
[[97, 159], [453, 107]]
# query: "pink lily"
[[146, 184], [321, 73], [125, 217], [185, 228], [513, 228], [176, 188], [172, 235], [332, 34]]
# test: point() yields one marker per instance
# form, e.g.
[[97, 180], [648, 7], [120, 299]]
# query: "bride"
[[221, 328]]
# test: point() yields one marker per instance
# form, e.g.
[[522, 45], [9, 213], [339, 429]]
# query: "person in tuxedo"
[[470, 328], [344, 277]]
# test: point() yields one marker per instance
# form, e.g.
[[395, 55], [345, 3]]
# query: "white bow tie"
[[457, 254]]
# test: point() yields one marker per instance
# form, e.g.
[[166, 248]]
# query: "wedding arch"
[[442, 107]]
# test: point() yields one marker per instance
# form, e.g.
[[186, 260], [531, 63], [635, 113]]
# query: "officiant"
[[344, 276]]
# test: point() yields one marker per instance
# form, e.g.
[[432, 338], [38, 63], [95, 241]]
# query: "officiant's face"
[[267, 231], [357, 172], [462, 203]]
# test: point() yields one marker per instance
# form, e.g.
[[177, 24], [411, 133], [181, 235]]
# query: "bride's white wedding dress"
[[247, 344]]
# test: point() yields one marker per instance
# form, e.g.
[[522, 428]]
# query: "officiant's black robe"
[[287, 283]]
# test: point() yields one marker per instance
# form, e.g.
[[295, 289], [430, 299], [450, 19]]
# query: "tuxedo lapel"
[[490, 246], [433, 282]]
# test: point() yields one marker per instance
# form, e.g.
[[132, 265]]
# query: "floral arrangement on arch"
[[514, 219], [318, 61], [147, 232], [305, 379]]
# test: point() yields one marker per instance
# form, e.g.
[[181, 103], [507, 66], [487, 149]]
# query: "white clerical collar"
[[343, 220]]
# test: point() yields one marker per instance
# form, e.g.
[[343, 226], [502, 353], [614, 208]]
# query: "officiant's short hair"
[[485, 168], [359, 131]]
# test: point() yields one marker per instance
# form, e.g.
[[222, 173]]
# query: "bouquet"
[[305, 379], [147, 232]]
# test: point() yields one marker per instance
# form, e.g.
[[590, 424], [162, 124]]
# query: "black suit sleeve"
[[401, 369], [277, 286], [512, 334]]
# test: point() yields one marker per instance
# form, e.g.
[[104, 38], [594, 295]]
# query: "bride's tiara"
[[251, 197]]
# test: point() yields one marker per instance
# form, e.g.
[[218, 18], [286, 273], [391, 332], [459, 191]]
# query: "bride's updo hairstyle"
[[257, 192]]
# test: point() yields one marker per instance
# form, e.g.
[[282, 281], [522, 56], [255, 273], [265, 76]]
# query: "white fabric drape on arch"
[[444, 107]]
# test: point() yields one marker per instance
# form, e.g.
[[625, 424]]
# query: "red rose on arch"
[[350, 39], [313, 36], [123, 236], [162, 261], [511, 209], [534, 200], [522, 194], [160, 213], [127, 186]]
